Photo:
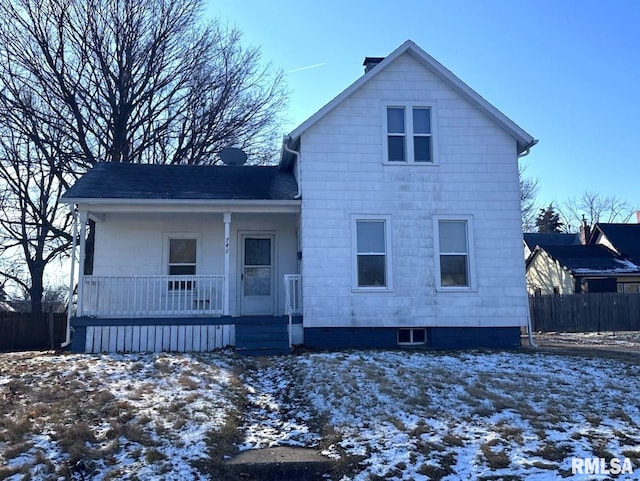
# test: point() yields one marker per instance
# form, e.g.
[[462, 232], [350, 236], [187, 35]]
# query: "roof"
[[523, 139], [533, 239], [594, 259], [114, 180], [625, 238]]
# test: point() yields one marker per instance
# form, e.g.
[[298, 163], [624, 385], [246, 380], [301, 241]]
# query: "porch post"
[[227, 262], [74, 241], [84, 216]]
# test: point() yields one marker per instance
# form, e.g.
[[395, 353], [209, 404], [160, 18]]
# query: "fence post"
[[50, 319]]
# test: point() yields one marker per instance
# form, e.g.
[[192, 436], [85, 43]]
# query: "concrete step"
[[281, 464]]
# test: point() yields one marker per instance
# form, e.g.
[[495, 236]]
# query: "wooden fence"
[[589, 312], [20, 331]]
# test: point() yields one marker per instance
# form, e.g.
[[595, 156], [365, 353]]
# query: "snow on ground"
[[135, 416], [396, 415]]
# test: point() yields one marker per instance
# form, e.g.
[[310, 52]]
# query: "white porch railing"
[[293, 294], [152, 296]]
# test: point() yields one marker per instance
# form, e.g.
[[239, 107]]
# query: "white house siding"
[[142, 251], [344, 174], [545, 273]]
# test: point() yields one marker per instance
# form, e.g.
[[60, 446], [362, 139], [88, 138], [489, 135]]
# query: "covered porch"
[[179, 256]]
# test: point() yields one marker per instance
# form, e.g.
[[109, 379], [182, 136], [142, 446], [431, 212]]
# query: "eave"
[[185, 205]]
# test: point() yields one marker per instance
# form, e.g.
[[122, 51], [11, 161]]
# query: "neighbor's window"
[[412, 336], [371, 253], [409, 136], [629, 287], [454, 259], [182, 261]]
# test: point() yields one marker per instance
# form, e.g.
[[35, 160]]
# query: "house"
[[572, 269], [533, 239], [609, 261], [392, 219]]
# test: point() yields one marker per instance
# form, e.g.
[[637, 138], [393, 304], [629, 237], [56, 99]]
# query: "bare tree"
[[595, 208], [528, 191], [83, 81], [33, 224]]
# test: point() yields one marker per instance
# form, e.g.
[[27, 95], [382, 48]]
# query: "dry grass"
[[88, 419]]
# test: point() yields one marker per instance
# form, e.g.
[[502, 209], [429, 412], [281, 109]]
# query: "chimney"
[[585, 232], [370, 62]]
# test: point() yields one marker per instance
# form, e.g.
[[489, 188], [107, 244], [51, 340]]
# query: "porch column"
[[84, 217], [227, 262], [74, 241]]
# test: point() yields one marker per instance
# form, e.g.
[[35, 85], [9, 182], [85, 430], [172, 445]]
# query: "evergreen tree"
[[548, 220]]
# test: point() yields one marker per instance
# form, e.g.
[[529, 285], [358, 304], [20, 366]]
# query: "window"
[[372, 263], [629, 287], [409, 134], [412, 336], [454, 266], [182, 261]]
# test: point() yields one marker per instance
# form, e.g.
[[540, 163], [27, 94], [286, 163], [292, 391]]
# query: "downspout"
[[532, 343], [67, 339], [297, 156], [524, 153]]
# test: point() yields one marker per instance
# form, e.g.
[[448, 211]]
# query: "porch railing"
[[152, 296], [293, 294]]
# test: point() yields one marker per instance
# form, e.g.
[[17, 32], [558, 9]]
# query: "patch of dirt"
[[623, 345]]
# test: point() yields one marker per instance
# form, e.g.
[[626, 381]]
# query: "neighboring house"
[[533, 239], [5, 307], [393, 219], [573, 269], [609, 262]]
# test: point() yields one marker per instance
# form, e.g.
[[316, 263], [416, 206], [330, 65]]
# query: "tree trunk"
[[36, 292]]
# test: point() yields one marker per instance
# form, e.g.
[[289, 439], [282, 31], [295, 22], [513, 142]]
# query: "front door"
[[256, 276]]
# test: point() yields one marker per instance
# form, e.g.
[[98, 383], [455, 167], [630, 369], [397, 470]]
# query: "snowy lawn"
[[135, 416], [381, 414]]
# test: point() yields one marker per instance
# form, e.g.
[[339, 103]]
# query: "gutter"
[[527, 148], [295, 153]]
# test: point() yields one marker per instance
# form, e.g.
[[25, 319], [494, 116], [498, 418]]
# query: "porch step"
[[262, 339]]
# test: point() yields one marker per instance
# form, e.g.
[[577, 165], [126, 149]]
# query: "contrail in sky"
[[307, 67]]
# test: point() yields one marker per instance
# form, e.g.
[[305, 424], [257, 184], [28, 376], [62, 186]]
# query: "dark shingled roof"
[[624, 237], [109, 180], [590, 259], [533, 239]]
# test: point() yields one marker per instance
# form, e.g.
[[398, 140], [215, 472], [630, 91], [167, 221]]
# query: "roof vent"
[[233, 156], [370, 62]]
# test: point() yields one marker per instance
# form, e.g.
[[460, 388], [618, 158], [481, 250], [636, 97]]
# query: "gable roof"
[[122, 181], [523, 139], [625, 238], [594, 259], [533, 239]]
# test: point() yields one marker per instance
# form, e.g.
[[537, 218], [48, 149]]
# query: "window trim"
[[355, 218], [409, 133], [471, 272]]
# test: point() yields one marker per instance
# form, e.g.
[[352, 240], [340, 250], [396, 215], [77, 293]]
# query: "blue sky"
[[567, 71]]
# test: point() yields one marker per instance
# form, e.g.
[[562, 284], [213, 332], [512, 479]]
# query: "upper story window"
[[409, 134]]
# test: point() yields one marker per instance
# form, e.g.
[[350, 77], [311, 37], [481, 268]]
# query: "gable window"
[[409, 134], [454, 266], [372, 265], [182, 261]]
